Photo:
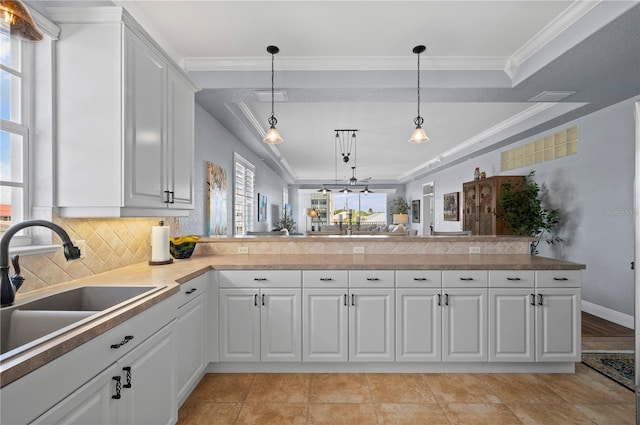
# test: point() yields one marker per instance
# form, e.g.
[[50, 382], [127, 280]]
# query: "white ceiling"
[[349, 64]]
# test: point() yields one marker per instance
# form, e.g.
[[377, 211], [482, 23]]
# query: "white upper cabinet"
[[125, 117]]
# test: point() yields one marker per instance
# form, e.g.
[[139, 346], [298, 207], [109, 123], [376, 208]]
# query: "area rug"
[[617, 366]]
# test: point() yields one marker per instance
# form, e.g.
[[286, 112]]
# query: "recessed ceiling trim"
[[571, 14], [397, 63], [498, 128]]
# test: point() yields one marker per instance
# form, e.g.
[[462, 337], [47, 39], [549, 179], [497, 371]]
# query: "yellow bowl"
[[182, 246]]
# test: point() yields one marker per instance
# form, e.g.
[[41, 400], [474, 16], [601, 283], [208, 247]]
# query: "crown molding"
[[44, 24], [557, 26], [340, 63]]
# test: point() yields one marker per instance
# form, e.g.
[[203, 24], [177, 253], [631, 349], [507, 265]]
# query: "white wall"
[[593, 189], [216, 144]]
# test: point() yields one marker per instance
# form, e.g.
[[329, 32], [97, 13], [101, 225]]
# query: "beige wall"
[[110, 244]]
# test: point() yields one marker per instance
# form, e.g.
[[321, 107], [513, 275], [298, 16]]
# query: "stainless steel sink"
[[25, 325]]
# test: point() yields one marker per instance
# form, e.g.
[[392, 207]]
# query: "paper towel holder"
[[160, 263]]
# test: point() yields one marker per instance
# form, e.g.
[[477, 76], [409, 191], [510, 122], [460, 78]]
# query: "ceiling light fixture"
[[324, 189], [419, 135], [272, 137], [21, 25], [366, 190]]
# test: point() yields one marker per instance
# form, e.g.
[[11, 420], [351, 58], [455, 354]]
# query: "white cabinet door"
[[149, 381], [280, 323], [418, 325], [371, 325], [325, 326], [239, 325], [464, 325], [180, 146], [558, 326], [92, 403], [145, 134], [190, 343], [511, 325]]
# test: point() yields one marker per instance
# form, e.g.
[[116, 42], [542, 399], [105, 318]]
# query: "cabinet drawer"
[[511, 279], [325, 278], [418, 278], [260, 278], [191, 289], [464, 278], [558, 278], [371, 278]]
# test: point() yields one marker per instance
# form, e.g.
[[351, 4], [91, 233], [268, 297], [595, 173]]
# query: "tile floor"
[[585, 397]]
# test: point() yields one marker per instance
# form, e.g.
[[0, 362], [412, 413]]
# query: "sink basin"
[[26, 325]]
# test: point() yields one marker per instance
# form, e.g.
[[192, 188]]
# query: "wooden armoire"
[[480, 201]]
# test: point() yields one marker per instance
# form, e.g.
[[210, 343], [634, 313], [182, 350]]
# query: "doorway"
[[428, 191]]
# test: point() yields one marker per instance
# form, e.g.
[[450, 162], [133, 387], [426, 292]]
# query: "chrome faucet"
[[10, 285]]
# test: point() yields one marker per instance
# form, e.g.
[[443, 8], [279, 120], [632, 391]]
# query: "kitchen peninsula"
[[310, 304]]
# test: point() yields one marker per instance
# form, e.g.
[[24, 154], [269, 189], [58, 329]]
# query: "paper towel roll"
[[160, 243]]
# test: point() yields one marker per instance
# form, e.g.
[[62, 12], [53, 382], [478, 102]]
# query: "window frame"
[[245, 207], [23, 128]]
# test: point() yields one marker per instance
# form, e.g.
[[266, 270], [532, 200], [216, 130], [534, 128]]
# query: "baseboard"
[[622, 319]]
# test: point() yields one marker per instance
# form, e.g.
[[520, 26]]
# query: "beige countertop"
[[180, 271]]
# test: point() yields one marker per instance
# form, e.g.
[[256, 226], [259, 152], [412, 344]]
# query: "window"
[[14, 129], [243, 196], [334, 208]]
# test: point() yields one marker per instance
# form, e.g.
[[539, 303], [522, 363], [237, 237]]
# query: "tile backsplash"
[[110, 244]]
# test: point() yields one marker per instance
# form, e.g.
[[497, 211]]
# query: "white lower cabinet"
[[464, 325], [260, 325], [138, 389], [539, 321], [325, 327], [92, 404], [418, 325], [191, 338], [558, 327], [371, 325], [511, 325]]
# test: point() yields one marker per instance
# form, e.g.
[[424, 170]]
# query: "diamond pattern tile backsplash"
[[110, 244]]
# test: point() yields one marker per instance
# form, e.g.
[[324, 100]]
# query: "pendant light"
[[21, 24], [272, 137], [324, 189], [419, 135], [366, 190]]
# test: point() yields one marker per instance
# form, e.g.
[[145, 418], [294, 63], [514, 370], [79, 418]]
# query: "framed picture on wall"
[[451, 206], [262, 207], [415, 211]]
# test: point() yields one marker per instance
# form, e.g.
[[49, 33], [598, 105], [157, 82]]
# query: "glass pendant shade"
[[19, 20], [419, 136], [273, 137]]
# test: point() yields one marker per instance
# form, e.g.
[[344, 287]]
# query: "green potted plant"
[[399, 210], [286, 223], [522, 209]]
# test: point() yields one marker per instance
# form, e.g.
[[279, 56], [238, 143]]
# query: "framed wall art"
[[451, 206], [262, 207], [415, 211]]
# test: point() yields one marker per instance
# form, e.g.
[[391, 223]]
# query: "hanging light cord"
[[419, 120], [272, 120]]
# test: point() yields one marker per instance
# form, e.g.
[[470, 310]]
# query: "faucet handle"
[[14, 260], [16, 279]]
